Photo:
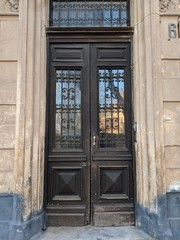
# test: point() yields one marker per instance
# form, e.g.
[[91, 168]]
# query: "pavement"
[[92, 233]]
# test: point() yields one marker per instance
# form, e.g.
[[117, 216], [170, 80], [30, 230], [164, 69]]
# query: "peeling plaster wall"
[[156, 106], [170, 68], [30, 110], [170, 73], [8, 84], [22, 117], [148, 106]]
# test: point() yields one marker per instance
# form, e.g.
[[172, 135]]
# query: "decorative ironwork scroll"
[[68, 108], [111, 108], [165, 4], [66, 13], [14, 5]]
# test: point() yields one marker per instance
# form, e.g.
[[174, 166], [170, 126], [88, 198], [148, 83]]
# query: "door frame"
[[104, 35]]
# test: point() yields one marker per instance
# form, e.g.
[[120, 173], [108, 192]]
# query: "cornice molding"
[[14, 5], [165, 4]]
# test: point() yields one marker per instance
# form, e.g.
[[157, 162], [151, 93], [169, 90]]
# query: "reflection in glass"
[[111, 108], [66, 13], [68, 108]]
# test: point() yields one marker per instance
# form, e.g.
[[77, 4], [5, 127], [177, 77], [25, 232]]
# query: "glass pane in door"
[[68, 108], [111, 108]]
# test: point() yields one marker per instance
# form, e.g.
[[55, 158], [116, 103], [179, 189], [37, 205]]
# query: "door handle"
[[94, 140], [135, 131]]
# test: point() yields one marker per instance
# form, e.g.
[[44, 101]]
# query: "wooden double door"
[[89, 137]]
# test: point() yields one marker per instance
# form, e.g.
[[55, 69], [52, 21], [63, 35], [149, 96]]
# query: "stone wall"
[[9, 22], [8, 82], [170, 66], [156, 104], [170, 61], [22, 123]]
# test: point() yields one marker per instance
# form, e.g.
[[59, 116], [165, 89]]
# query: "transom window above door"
[[67, 13]]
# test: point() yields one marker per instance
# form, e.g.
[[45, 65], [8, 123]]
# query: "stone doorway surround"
[[30, 117]]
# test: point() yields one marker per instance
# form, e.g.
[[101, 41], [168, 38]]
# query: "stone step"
[[92, 233]]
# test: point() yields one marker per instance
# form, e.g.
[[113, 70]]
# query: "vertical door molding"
[[148, 104], [30, 112]]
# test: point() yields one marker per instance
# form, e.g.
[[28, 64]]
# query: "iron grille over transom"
[[67, 13]]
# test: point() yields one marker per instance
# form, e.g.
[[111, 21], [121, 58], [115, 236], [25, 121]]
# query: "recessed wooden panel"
[[65, 54], [119, 214], [113, 54], [66, 215], [114, 182], [55, 220], [67, 185], [113, 219]]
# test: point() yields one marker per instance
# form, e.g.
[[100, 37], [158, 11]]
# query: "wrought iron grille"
[[111, 108], [68, 108], [67, 13]]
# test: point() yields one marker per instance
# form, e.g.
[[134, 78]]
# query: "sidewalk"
[[92, 233]]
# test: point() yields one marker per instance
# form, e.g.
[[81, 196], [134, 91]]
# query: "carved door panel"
[[89, 153]]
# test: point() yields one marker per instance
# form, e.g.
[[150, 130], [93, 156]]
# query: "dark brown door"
[[89, 153]]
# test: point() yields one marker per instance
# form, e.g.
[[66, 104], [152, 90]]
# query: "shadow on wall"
[[11, 223], [166, 224]]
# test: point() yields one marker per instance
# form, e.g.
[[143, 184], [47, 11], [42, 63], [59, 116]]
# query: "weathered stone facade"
[[8, 80], [170, 74], [22, 123], [156, 100]]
